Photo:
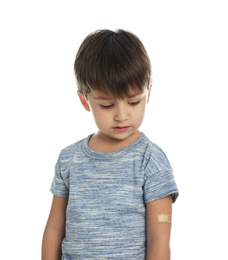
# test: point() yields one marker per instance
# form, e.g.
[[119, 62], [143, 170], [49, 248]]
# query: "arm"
[[158, 234], [55, 230]]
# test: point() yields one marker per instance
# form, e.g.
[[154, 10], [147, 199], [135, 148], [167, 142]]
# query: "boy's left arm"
[[158, 225]]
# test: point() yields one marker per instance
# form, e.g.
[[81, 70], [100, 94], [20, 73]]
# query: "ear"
[[84, 102], [148, 95]]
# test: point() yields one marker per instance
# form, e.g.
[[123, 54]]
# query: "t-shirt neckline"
[[101, 155]]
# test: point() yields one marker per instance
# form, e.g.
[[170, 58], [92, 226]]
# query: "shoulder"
[[152, 150], [72, 148], [67, 154], [155, 159], [153, 147]]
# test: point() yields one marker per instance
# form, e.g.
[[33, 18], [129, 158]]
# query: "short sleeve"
[[159, 185], [59, 184], [159, 178]]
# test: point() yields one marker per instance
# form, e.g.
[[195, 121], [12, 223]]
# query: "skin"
[[111, 114], [118, 122], [55, 230]]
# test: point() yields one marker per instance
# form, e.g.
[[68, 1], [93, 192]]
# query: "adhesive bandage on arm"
[[161, 218]]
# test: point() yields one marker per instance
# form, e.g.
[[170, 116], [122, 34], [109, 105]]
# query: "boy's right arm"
[[54, 232]]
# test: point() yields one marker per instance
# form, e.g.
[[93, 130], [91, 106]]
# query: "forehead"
[[99, 95]]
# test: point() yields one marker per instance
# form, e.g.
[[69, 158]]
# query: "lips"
[[121, 129]]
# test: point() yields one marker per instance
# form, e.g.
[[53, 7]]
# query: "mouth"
[[121, 129]]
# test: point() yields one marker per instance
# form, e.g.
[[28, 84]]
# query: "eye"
[[106, 107], [134, 103]]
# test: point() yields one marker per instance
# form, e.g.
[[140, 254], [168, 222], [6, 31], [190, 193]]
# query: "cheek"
[[139, 114], [101, 119]]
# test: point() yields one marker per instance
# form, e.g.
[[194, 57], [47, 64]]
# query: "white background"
[[187, 115]]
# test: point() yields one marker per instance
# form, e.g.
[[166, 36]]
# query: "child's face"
[[117, 118]]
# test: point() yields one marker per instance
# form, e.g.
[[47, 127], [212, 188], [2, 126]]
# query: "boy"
[[113, 191]]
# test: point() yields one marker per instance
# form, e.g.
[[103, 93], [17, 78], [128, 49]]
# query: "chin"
[[123, 136]]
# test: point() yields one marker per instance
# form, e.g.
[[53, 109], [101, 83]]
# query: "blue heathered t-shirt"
[[107, 193]]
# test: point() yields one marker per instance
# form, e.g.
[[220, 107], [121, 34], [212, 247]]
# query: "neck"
[[104, 144]]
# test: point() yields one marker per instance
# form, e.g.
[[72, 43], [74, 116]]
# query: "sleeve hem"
[[174, 194], [58, 194]]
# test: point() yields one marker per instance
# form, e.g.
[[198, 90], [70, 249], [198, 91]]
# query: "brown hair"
[[112, 62]]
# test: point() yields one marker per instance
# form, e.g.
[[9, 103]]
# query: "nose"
[[120, 114]]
